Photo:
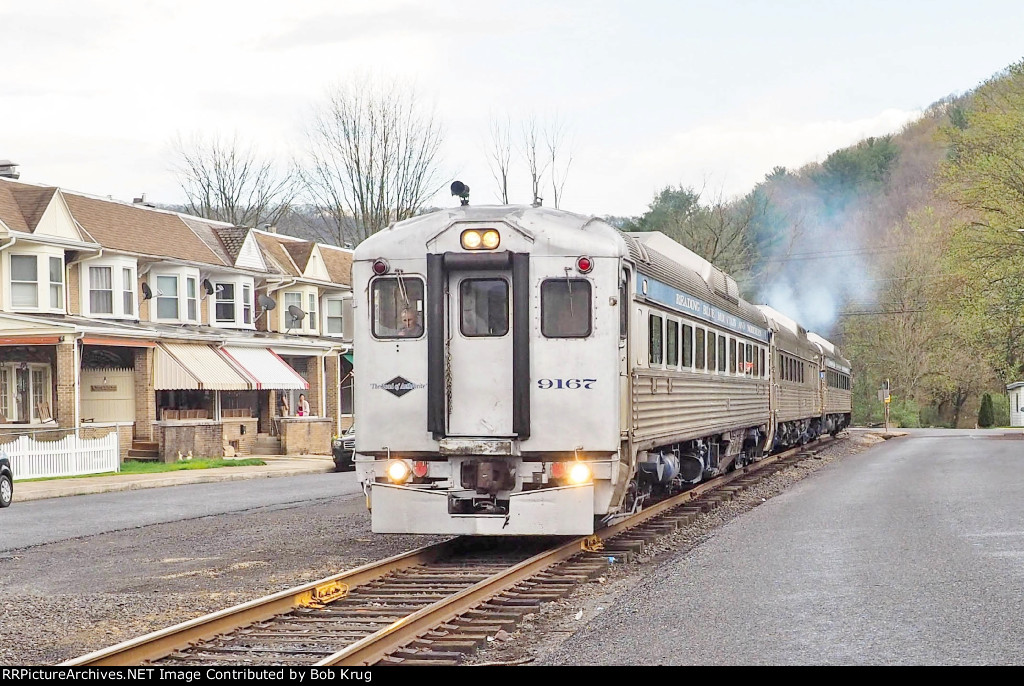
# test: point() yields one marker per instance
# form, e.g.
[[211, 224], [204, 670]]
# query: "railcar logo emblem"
[[398, 386]]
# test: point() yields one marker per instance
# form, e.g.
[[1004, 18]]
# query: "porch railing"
[[72, 455]]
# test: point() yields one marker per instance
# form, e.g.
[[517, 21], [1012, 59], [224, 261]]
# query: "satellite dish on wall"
[[296, 313], [266, 302], [147, 292], [207, 286]]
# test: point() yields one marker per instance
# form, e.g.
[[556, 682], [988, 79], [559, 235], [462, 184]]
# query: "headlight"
[[579, 474], [482, 239], [336, 443], [398, 471]]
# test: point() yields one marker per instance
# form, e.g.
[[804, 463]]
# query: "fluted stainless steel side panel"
[[798, 401], [671, 406]]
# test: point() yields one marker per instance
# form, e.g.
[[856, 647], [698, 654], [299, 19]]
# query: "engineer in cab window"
[[409, 324]]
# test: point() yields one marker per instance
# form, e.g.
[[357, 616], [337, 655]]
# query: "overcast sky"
[[705, 94]]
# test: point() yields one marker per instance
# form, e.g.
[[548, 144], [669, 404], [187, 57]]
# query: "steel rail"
[[376, 646], [163, 642]]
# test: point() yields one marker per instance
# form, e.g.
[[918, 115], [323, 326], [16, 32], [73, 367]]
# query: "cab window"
[[483, 304], [397, 307], [565, 308]]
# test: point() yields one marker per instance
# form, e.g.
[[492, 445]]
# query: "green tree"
[[983, 176], [986, 415], [718, 231]]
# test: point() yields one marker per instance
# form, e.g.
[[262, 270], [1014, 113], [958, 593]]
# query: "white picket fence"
[[68, 456]]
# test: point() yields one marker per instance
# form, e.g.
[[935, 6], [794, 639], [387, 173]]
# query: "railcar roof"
[[651, 262], [559, 231]]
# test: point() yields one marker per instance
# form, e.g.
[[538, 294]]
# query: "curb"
[[71, 489]]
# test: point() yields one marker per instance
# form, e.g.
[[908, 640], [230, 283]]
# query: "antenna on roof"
[[462, 190]]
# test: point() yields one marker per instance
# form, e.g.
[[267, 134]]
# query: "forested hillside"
[[905, 250]]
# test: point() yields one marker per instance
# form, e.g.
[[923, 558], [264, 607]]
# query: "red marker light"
[[558, 470], [380, 267], [584, 265], [419, 468]]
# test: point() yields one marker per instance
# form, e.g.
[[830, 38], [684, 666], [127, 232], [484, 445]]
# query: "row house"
[[194, 336]]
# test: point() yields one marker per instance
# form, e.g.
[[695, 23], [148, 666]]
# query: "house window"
[[56, 283], [25, 392], [334, 317], [24, 281], [167, 297], [128, 292], [246, 304], [293, 321], [40, 390], [312, 312], [193, 303], [101, 290], [5, 392], [225, 308]]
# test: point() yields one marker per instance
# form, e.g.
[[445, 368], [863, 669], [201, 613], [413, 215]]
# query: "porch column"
[[67, 377], [315, 374], [333, 388], [145, 394]]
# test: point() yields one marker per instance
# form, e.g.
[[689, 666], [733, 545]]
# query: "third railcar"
[[530, 371]]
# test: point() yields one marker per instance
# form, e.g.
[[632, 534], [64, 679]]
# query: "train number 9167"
[[571, 384]]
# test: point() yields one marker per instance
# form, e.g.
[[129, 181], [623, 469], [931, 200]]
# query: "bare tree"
[[560, 155], [499, 155], [227, 180], [372, 158], [536, 163]]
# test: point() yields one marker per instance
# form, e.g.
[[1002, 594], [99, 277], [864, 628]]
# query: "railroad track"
[[428, 606]]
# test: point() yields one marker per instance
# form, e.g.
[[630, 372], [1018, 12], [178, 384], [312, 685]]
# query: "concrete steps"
[[267, 445], [146, 451]]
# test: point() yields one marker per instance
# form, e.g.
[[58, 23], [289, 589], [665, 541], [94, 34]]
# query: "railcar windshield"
[[484, 306], [565, 310], [397, 304]]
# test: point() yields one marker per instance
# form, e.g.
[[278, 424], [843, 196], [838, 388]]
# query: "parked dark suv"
[[344, 449], [6, 480]]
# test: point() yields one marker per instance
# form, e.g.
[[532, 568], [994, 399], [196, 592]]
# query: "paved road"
[[47, 521], [910, 553]]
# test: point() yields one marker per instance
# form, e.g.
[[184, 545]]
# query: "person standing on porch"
[[303, 406]]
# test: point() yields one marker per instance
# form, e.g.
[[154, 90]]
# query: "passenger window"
[[698, 355], [672, 343], [655, 340], [721, 353], [732, 356], [565, 308], [687, 346], [397, 304], [484, 307], [712, 351], [764, 370]]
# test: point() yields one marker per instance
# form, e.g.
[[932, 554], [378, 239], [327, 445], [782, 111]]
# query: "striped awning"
[[267, 370], [181, 366]]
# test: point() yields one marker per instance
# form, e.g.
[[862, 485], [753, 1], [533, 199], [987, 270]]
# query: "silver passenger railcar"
[[531, 371]]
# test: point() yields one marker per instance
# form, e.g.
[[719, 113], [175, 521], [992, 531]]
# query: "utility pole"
[[887, 399], [883, 395]]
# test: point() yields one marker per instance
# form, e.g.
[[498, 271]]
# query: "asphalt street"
[[909, 553], [39, 522]]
